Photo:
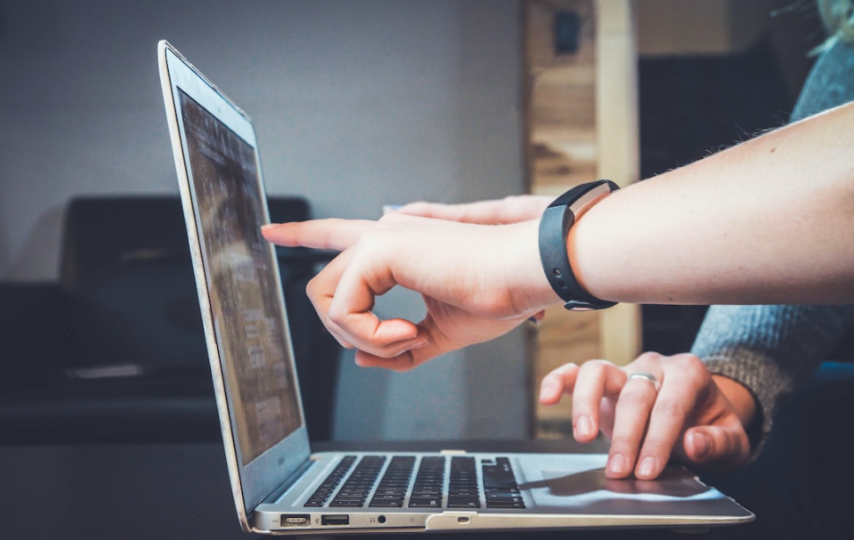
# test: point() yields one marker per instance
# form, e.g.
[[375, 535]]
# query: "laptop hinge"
[[280, 490]]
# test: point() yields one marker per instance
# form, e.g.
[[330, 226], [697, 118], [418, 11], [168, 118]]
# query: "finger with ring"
[[649, 377]]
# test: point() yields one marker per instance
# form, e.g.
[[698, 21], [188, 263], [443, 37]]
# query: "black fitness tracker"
[[561, 214]]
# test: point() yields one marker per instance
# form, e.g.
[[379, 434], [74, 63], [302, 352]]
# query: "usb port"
[[335, 520], [295, 520]]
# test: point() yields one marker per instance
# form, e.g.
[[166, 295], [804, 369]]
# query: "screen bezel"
[[251, 482]]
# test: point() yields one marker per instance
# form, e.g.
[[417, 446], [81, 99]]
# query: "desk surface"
[[165, 492]]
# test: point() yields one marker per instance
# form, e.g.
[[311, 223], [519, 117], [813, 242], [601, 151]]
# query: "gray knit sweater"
[[772, 350]]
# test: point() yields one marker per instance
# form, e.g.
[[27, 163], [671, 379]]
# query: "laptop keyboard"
[[392, 489], [498, 482], [499, 485], [355, 490], [321, 495], [463, 489], [429, 484]]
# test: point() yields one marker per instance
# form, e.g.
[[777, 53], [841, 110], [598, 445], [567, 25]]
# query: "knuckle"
[[694, 370], [396, 217], [337, 314], [372, 239], [632, 400], [692, 364], [597, 367], [724, 445], [737, 440], [312, 286], [649, 356], [566, 369]]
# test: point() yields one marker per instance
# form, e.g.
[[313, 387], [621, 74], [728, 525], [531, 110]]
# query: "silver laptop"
[[278, 485]]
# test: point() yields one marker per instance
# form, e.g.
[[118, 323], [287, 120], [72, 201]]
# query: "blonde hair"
[[838, 16]]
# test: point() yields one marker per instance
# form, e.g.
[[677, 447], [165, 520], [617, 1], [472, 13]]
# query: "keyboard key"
[[503, 497], [463, 502], [425, 503], [346, 504], [381, 503], [504, 504]]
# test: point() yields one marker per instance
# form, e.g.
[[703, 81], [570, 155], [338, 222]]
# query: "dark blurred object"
[[691, 106], [115, 351], [567, 32]]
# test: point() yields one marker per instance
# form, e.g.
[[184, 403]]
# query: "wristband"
[[554, 227]]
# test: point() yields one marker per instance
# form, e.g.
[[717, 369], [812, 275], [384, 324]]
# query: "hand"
[[513, 209], [477, 282], [699, 417]]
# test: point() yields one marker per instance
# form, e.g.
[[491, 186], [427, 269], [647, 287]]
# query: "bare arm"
[[767, 221]]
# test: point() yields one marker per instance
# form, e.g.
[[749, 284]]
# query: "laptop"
[[279, 486]]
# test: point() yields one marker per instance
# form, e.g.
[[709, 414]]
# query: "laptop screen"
[[247, 314]]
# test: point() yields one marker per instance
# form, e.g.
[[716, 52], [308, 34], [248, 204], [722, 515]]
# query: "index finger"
[[336, 234], [596, 379]]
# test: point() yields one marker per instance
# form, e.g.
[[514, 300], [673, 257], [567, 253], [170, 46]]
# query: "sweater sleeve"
[[771, 350]]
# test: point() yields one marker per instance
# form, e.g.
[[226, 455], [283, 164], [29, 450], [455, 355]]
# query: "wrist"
[[527, 285], [556, 228]]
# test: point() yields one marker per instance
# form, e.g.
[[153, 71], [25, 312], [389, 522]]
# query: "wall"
[[357, 104]]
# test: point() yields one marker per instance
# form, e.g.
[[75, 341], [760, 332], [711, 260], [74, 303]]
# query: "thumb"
[[726, 446]]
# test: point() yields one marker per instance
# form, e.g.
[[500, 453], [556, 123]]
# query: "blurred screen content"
[[241, 281]]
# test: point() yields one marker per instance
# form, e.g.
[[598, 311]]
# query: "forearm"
[[768, 221]]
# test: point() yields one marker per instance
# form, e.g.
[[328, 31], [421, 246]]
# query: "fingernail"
[[583, 427], [389, 208], [647, 466], [702, 445], [268, 226], [618, 464]]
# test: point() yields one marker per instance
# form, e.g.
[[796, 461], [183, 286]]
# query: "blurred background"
[[356, 104]]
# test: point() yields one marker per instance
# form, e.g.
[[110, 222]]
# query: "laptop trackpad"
[[672, 483], [586, 490]]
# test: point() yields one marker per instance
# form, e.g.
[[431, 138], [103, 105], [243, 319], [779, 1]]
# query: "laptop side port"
[[295, 520], [342, 519]]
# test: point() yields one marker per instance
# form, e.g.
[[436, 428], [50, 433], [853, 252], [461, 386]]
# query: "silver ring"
[[649, 377]]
